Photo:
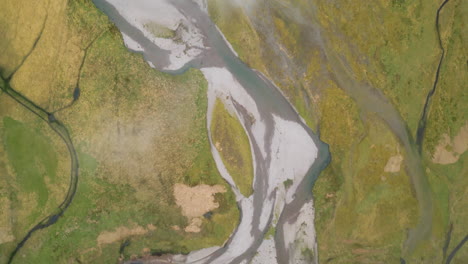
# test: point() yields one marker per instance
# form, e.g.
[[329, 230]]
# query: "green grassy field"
[[34, 177], [31, 156]]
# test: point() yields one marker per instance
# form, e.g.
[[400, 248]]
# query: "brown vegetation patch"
[[108, 237]]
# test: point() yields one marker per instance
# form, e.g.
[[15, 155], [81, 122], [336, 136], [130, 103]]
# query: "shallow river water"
[[283, 146]]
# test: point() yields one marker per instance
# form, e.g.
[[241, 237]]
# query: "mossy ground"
[[24, 148], [137, 132], [233, 144]]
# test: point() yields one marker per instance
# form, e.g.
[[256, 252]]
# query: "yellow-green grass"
[[25, 148], [237, 28], [362, 211], [14, 48], [159, 31], [354, 197], [270, 233], [233, 145], [448, 111], [392, 45], [137, 133], [375, 56]]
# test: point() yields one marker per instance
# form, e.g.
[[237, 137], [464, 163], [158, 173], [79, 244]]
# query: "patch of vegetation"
[[203, 168], [308, 254], [353, 194], [160, 31], [355, 218], [233, 145], [287, 183], [241, 35], [290, 35], [31, 156], [270, 234], [15, 48]]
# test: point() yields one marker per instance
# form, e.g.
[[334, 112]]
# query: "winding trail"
[[422, 122]]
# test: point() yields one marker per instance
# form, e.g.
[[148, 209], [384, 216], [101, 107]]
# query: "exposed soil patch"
[[394, 163], [194, 226], [5, 235], [448, 151], [108, 237], [196, 201], [460, 141]]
